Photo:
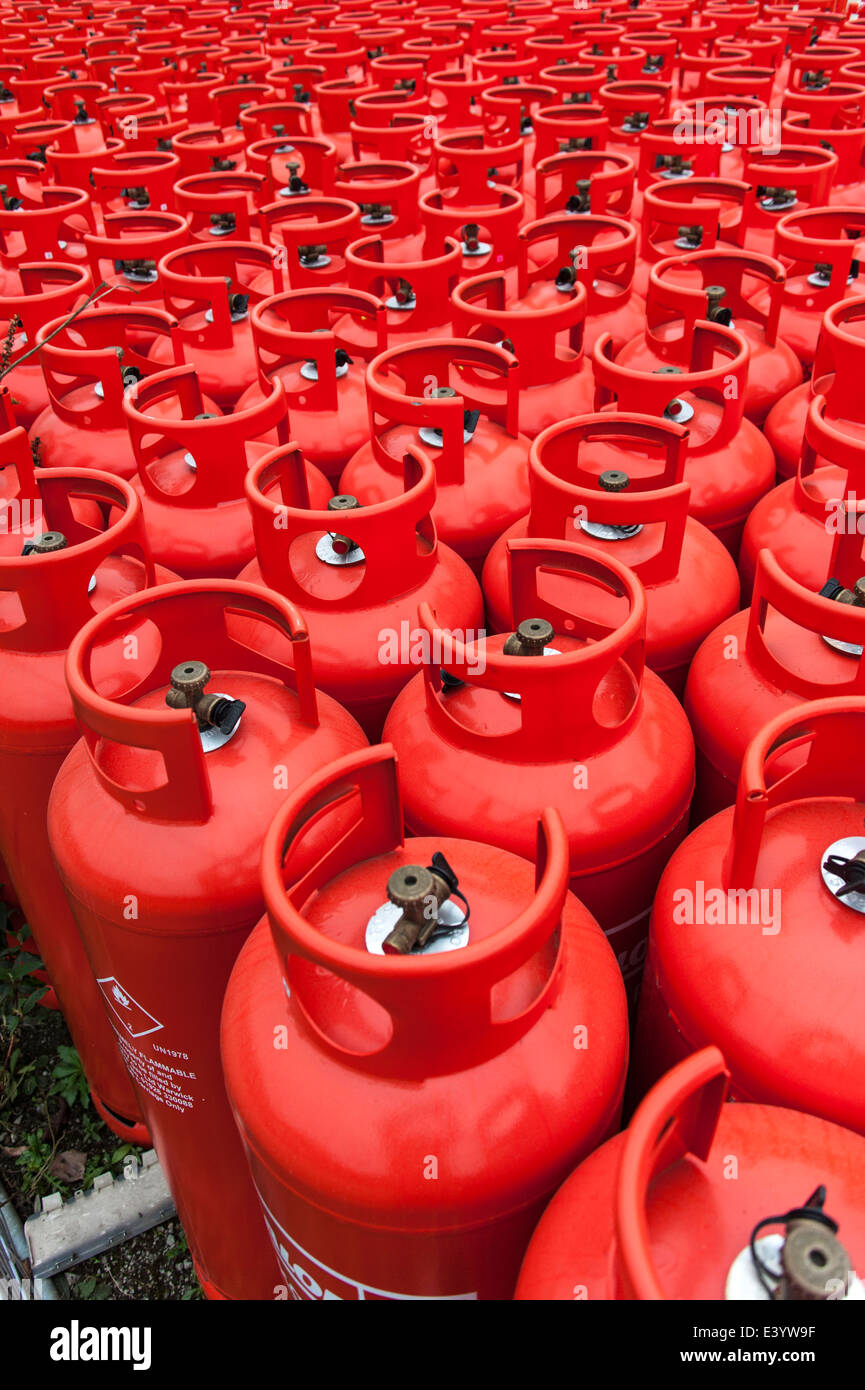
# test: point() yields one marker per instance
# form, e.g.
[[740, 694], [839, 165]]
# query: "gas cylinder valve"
[[373, 213], [9, 203], [188, 681], [530, 639], [689, 238], [715, 312], [222, 223], [637, 120], [45, 544], [420, 893], [776, 199], [295, 182], [581, 200], [312, 255], [675, 166], [613, 480], [836, 591], [141, 271], [137, 198], [342, 502], [222, 166], [575, 143], [812, 1259]]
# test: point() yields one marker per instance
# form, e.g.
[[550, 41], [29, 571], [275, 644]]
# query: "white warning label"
[[308, 1278], [132, 1015]]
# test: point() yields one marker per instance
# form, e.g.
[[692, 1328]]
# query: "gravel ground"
[[52, 1140]]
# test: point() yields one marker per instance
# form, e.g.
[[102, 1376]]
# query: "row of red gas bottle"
[[339, 336]]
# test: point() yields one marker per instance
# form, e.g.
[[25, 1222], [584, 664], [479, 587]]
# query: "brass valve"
[[45, 544], [343, 502], [188, 682], [530, 638]]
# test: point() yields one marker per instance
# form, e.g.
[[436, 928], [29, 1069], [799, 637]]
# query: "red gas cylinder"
[[89, 364], [295, 167], [135, 181], [183, 796], [387, 194], [597, 251], [689, 215], [584, 181], [734, 123], [43, 291], [736, 914], [840, 127], [730, 465], [296, 339], [561, 710], [405, 139], [510, 112], [309, 237], [837, 374], [793, 644], [222, 204], [360, 593], [127, 252], [630, 107], [458, 399], [653, 1215], [487, 235], [783, 181], [819, 249], [70, 568], [672, 150], [454, 100], [720, 287], [335, 99], [530, 962], [690, 579], [800, 519], [556, 379], [470, 168], [416, 293], [209, 147], [191, 470], [46, 223], [209, 290]]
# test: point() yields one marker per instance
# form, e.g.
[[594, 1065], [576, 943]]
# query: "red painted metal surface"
[[749, 947], [585, 725], [689, 577], [362, 615], [45, 599], [377, 1045], [653, 1213], [164, 916]]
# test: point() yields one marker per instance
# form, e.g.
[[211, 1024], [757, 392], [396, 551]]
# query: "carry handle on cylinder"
[[439, 1006], [650, 392], [561, 489], [396, 538], [678, 1117], [567, 682], [668, 299], [773, 589], [480, 311], [828, 732], [53, 589], [216, 445], [419, 363], [192, 613], [839, 362], [111, 346]]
